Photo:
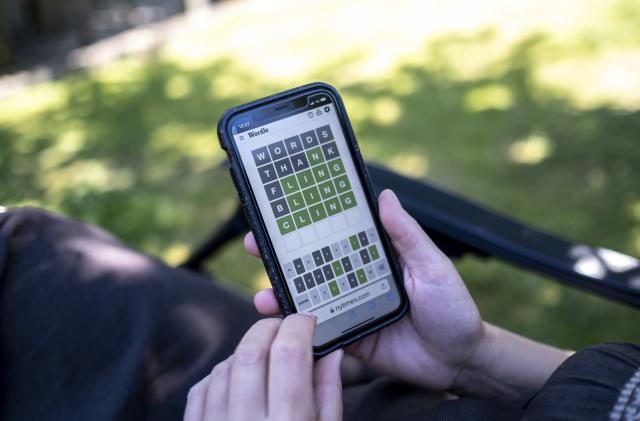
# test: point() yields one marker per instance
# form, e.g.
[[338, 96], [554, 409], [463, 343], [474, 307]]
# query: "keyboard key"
[[355, 244], [303, 302], [362, 236], [298, 266], [267, 173], [361, 275], [318, 276], [277, 150], [283, 167], [356, 262], [309, 139], [299, 285], [382, 268], [373, 251], [324, 133], [364, 256], [337, 268], [344, 284], [308, 262], [371, 273], [299, 162], [293, 145], [336, 250], [330, 151], [346, 248], [317, 258], [333, 288], [289, 271], [328, 272], [326, 254], [346, 264], [308, 280], [352, 279], [261, 156], [324, 292], [280, 208], [315, 296], [274, 190], [372, 235]]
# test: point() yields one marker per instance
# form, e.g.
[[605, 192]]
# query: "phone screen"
[[302, 174]]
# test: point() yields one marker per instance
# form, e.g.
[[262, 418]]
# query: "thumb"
[[415, 248]]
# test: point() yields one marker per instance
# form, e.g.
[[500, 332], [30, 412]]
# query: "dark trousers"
[[92, 330]]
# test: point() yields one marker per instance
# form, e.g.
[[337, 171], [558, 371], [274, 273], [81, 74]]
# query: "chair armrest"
[[465, 227]]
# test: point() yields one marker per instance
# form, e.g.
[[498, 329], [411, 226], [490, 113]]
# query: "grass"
[[526, 124]]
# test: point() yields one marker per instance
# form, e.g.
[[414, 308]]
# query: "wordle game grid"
[[332, 271], [307, 187]]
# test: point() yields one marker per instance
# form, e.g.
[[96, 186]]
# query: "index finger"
[[290, 387]]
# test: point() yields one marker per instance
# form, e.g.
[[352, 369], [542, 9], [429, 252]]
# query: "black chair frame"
[[460, 227]]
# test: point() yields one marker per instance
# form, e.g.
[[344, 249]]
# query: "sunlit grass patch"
[[606, 78], [413, 165], [493, 96], [531, 149]]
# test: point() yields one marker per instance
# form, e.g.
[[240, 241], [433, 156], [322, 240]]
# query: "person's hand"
[[443, 329], [271, 375]]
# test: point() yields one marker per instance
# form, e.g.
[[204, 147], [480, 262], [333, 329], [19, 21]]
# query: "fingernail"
[[392, 195], [339, 355], [309, 315]]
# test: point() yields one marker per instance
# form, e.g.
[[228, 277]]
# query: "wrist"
[[473, 368], [507, 366]]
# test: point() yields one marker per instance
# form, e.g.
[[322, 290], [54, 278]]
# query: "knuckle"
[[249, 354], [268, 323], [220, 370], [303, 413], [293, 351], [193, 392]]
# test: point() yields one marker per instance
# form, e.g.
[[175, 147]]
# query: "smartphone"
[[307, 197]]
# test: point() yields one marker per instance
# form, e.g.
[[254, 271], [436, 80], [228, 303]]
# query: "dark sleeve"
[[92, 330], [596, 383]]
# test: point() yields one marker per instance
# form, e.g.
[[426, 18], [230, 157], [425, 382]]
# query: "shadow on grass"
[[134, 151]]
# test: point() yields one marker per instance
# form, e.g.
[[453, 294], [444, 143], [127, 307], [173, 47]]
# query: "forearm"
[[508, 366]]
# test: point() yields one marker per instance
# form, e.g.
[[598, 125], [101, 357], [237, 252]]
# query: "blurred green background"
[[530, 108]]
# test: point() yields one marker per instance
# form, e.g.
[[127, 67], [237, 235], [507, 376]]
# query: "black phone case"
[[255, 221]]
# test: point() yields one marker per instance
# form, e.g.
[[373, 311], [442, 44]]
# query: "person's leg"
[[599, 382], [90, 329], [385, 398]]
